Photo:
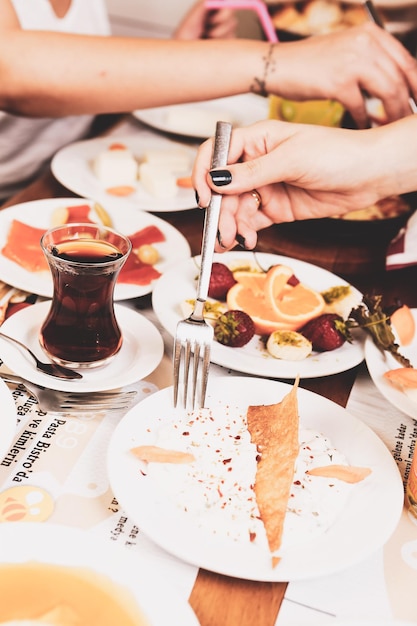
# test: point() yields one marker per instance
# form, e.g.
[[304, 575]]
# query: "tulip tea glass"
[[81, 330]]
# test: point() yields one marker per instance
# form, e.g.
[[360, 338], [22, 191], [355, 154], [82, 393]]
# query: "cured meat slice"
[[23, 246], [149, 234]]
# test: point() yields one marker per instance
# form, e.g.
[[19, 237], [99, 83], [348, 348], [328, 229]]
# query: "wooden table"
[[219, 600]]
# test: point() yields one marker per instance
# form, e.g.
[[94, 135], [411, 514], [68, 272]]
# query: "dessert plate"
[[39, 213], [178, 285], [72, 167], [141, 352], [364, 523], [121, 575]]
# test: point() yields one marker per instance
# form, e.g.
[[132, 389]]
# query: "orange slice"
[[255, 304], [251, 280], [294, 305], [272, 302], [276, 280]]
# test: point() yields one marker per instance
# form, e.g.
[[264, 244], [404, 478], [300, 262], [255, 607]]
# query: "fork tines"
[[200, 347], [97, 401]]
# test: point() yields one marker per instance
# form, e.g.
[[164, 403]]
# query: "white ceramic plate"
[[141, 351], [127, 221], [8, 418], [379, 362], [370, 516], [178, 284], [51, 544], [71, 166], [198, 119]]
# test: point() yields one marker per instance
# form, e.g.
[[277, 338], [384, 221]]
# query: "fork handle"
[[211, 219], [12, 378]]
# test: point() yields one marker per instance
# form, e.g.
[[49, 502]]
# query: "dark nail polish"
[[221, 177], [219, 239], [241, 241], [197, 198]]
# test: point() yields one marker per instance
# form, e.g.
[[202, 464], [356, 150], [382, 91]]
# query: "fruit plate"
[[379, 362], [178, 285], [218, 538]]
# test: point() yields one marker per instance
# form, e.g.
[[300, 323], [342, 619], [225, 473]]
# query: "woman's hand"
[[343, 66], [303, 172]]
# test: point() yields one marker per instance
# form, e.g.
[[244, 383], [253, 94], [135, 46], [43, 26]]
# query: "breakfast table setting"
[[70, 493]]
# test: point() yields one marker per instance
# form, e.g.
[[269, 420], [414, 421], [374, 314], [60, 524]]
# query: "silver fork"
[[66, 401], [194, 334]]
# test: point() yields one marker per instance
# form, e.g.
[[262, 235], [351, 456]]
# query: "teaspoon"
[[52, 369]]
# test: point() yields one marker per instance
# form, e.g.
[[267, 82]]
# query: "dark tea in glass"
[[81, 329]]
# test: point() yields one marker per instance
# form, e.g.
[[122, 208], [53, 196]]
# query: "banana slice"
[[288, 345]]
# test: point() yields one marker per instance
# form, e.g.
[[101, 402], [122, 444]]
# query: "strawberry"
[[221, 280], [326, 332], [234, 329]]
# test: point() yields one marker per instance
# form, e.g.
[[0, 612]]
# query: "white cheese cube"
[[116, 167], [158, 181], [176, 160]]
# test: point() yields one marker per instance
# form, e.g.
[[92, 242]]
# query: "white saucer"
[[140, 354]]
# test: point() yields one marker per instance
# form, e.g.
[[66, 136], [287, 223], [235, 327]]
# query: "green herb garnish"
[[373, 319]]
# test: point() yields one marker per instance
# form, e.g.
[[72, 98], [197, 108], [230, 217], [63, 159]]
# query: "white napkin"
[[402, 250]]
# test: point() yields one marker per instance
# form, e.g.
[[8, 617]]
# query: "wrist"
[[395, 155], [260, 81]]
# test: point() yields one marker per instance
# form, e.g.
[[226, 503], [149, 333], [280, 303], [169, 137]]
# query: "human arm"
[[57, 74], [305, 172], [199, 23]]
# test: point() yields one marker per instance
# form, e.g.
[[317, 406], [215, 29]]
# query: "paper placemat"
[[382, 588]]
